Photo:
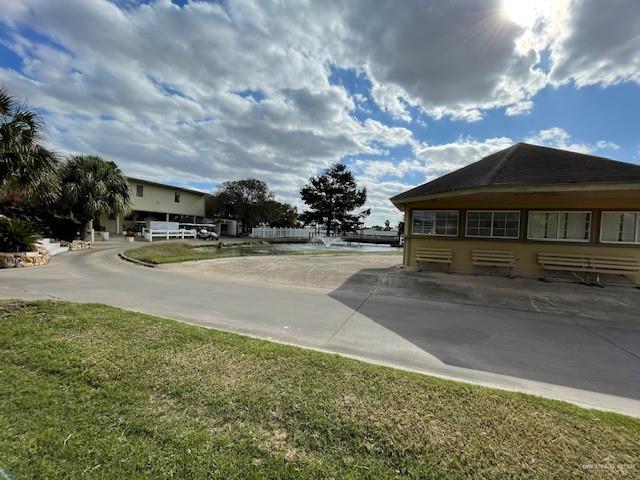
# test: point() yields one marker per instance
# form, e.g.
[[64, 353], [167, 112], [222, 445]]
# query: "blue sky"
[[195, 93]]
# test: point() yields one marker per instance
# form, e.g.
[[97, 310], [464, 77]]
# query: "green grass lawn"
[[173, 252], [90, 391]]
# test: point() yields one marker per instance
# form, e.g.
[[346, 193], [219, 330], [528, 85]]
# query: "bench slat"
[[567, 264], [434, 255], [615, 272], [494, 264], [494, 258], [590, 263]]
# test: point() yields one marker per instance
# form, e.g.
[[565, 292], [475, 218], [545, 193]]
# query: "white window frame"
[[573, 240], [637, 233], [457, 212], [466, 224]]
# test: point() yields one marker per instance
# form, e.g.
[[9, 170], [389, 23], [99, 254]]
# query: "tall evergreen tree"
[[332, 198]]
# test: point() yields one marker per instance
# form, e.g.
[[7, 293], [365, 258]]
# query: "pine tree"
[[332, 197]]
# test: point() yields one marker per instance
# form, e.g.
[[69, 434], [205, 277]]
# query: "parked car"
[[206, 233]]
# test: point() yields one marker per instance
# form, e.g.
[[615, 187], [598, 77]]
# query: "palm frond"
[[91, 186], [26, 166]]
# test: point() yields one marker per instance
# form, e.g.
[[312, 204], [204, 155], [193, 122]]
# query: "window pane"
[[452, 230], [551, 225], [537, 222], [431, 222], [493, 224], [499, 224], [575, 225], [472, 224], [484, 224], [506, 224], [619, 227], [559, 225], [446, 223], [628, 228], [422, 222], [610, 227]]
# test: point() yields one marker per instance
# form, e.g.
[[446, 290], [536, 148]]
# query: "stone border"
[[139, 262], [24, 259], [77, 245]]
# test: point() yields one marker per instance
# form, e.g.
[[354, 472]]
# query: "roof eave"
[[164, 185], [519, 188]]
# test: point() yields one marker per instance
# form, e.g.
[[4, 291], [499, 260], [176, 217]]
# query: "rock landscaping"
[[24, 259], [79, 245]]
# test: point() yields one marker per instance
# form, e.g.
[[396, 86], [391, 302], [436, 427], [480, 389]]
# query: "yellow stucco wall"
[[527, 250]]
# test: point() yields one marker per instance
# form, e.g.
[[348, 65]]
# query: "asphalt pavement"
[[593, 362]]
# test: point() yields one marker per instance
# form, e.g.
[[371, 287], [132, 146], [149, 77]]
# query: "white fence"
[[274, 232], [150, 234]]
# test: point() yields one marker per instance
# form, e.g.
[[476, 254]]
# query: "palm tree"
[[26, 167], [90, 187]]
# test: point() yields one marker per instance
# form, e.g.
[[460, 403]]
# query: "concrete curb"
[[139, 262]]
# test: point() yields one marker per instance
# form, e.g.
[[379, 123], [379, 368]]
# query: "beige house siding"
[[158, 198], [527, 250], [110, 225], [161, 199]]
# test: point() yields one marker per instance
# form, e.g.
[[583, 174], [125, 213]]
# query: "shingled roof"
[[525, 164]]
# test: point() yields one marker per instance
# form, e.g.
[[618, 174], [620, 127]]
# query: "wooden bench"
[[434, 255], [589, 264], [494, 258], [614, 265]]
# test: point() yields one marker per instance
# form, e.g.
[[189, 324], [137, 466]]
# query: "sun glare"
[[524, 12]]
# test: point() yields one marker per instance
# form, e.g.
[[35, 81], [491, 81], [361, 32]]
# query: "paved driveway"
[[590, 361]]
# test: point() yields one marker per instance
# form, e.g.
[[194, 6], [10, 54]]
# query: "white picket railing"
[[149, 235], [275, 232]]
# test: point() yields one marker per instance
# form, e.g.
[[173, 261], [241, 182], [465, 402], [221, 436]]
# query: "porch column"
[[167, 217]]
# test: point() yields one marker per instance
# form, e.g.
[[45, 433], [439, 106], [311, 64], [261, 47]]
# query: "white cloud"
[[374, 170], [444, 158], [157, 87], [557, 137], [520, 108], [600, 44]]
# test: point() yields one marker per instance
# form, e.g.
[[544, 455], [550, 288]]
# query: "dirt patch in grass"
[[90, 391]]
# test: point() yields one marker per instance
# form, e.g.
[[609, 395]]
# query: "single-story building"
[[157, 201], [541, 207]]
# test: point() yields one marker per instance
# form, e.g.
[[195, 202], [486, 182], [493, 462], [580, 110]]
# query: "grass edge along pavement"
[[99, 392], [179, 251]]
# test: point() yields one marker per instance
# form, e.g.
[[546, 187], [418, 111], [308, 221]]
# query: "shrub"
[[17, 236]]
